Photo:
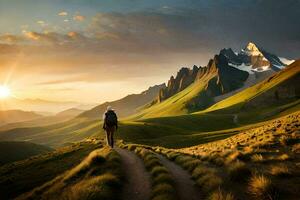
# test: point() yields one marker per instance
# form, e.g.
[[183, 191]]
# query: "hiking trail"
[[138, 183], [185, 186]]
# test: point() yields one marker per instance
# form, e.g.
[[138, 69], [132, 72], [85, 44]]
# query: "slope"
[[8, 116], [14, 151], [215, 79], [125, 106], [56, 135], [70, 113], [22, 176], [281, 88]]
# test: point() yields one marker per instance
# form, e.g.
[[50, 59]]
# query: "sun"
[[4, 92]]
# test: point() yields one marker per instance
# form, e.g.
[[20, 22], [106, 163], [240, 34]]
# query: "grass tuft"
[[238, 171], [280, 170], [209, 182], [220, 195], [261, 187]]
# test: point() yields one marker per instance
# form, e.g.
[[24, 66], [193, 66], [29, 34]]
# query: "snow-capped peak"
[[252, 50]]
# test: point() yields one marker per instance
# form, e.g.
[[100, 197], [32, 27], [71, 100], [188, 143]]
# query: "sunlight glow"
[[4, 92]]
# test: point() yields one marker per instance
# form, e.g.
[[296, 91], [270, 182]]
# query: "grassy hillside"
[[43, 121], [179, 103], [98, 176], [125, 106], [72, 112], [256, 163], [22, 176], [56, 135], [175, 105], [173, 131], [9, 116], [14, 151], [166, 123]]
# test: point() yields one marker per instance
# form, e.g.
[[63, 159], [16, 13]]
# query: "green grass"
[[98, 176], [22, 176], [173, 132], [55, 135], [11, 151], [175, 105]]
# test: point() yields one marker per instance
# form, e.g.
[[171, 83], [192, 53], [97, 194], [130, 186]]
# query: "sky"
[[101, 50]]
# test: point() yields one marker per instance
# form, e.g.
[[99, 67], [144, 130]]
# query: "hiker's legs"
[[108, 137], [112, 138]]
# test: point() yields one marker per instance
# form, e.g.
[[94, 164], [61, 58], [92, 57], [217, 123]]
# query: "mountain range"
[[127, 105], [228, 129], [41, 106], [15, 116], [190, 102]]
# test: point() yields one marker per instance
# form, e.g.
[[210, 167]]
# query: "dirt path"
[[183, 182], [137, 186]]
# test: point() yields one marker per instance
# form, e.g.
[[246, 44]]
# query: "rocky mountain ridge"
[[231, 71]]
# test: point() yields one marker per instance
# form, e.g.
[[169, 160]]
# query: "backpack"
[[111, 118]]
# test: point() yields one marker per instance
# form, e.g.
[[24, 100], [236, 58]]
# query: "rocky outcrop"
[[219, 76], [183, 79], [226, 72], [127, 105]]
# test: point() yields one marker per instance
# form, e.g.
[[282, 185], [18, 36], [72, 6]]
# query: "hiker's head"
[[109, 108]]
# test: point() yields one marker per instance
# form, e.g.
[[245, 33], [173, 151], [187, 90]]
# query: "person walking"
[[110, 125]]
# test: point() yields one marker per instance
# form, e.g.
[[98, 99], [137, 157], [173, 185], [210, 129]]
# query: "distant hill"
[[127, 105], [72, 112], [9, 116], [11, 151], [41, 105], [43, 120]]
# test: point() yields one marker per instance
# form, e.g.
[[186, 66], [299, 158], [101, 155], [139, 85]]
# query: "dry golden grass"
[[221, 195], [99, 187], [228, 163], [238, 171], [201, 170], [209, 182], [284, 157], [261, 187], [257, 158], [163, 178], [163, 188], [280, 170], [157, 170], [95, 157], [98, 176], [296, 148]]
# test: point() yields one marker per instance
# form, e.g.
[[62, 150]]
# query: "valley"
[[219, 131]]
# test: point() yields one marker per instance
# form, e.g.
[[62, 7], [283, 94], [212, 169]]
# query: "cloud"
[[33, 35], [40, 22], [53, 38], [204, 28], [63, 13], [79, 18], [11, 39]]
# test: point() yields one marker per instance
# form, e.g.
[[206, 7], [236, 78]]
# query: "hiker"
[[110, 125]]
